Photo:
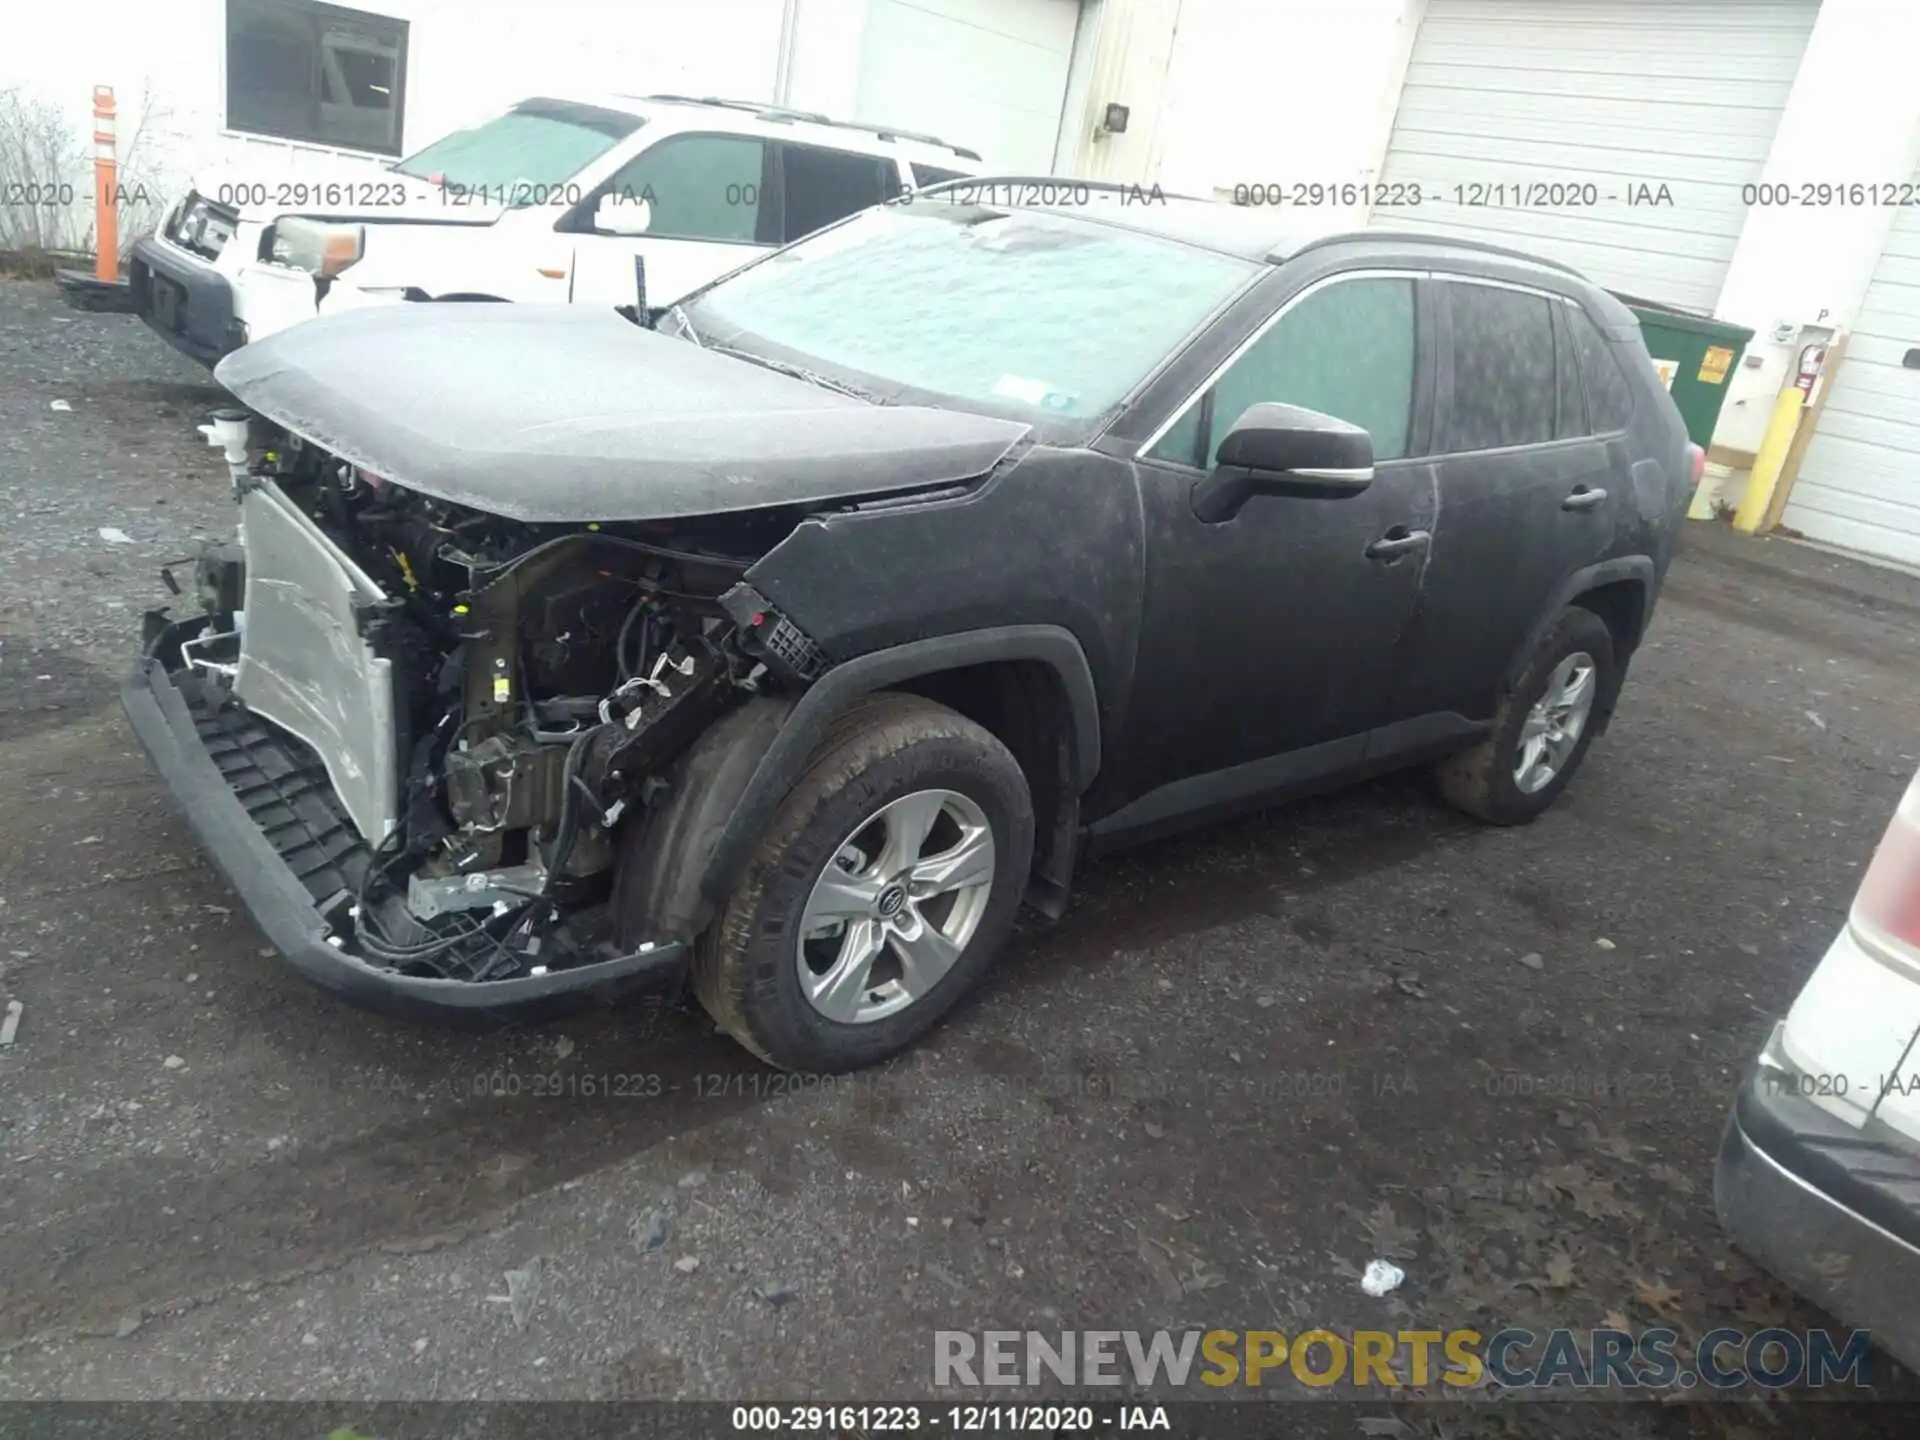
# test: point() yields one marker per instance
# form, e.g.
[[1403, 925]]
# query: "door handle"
[[1583, 499], [1397, 542]]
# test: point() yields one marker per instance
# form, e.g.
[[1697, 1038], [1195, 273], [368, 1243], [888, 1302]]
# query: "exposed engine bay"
[[492, 699]]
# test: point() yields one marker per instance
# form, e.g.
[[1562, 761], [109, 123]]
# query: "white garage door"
[[1859, 482], [1535, 123], [989, 75]]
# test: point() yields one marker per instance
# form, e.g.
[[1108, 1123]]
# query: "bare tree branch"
[[46, 178]]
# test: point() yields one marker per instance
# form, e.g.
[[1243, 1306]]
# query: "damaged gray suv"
[[786, 641]]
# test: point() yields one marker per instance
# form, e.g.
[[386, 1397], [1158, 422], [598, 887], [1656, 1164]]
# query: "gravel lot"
[[1246, 1063]]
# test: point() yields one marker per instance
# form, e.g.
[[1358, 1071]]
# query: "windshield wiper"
[[799, 372], [683, 324]]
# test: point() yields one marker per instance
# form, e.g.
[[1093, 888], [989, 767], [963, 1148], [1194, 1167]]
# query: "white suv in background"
[[550, 201], [1819, 1171]]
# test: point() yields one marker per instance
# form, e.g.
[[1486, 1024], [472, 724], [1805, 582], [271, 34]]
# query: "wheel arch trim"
[[1633, 569], [1637, 568], [806, 724]]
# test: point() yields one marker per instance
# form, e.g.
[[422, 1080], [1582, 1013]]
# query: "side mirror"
[[1284, 450], [615, 216]]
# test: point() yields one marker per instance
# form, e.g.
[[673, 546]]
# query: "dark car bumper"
[[1831, 1210], [282, 901], [188, 305]]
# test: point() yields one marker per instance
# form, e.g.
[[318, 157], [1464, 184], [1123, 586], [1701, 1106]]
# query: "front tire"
[[886, 883], [1543, 726]]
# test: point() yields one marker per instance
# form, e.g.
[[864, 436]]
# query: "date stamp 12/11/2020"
[[1384, 196]]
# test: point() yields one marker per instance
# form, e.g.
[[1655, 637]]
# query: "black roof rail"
[[1426, 237], [784, 115], [977, 181]]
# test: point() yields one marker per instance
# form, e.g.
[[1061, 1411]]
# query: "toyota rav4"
[[787, 640]]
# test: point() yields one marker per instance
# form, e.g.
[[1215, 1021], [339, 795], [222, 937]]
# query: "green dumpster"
[[1696, 356]]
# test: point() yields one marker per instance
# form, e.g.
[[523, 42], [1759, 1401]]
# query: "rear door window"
[[1504, 391], [1570, 402], [1345, 350], [925, 175], [823, 186], [1609, 397]]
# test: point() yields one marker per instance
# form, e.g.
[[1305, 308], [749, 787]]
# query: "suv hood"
[[560, 414]]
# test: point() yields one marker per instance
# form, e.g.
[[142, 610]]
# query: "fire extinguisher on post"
[[1813, 359]]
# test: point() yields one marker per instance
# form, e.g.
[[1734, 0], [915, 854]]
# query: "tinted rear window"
[[1503, 384], [924, 175], [828, 185], [1609, 397]]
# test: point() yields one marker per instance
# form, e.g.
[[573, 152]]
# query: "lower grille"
[[285, 790]]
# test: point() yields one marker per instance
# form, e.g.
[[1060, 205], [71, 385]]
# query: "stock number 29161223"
[[299, 193], [1313, 194], [568, 1085], [877, 1419]]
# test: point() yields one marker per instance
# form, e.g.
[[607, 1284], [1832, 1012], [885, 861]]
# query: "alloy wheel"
[[1553, 727], [895, 906]]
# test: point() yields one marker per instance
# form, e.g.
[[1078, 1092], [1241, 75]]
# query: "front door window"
[[1346, 350]]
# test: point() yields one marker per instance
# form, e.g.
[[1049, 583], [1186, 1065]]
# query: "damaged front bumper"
[[265, 812]]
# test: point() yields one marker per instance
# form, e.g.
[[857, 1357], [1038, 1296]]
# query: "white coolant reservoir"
[[227, 433]]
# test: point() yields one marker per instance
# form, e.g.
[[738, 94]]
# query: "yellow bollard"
[[1773, 455]]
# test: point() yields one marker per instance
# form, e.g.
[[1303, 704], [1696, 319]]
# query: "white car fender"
[[436, 264]]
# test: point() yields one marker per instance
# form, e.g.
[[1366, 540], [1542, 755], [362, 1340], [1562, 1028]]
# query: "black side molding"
[[780, 766], [1239, 789], [1627, 567]]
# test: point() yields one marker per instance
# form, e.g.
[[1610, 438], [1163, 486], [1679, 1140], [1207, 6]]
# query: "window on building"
[[1345, 350], [1503, 386], [317, 73]]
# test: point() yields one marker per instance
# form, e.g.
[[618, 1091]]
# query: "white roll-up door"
[[989, 75], [1859, 482], [1551, 125]]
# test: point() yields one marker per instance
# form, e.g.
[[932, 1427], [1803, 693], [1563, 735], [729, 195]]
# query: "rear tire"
[[1542, 720], [901, 798]]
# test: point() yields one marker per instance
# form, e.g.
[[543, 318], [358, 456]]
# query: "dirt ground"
[[1245, 1064]]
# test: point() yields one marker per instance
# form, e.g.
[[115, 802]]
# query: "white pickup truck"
[[550, 201]]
